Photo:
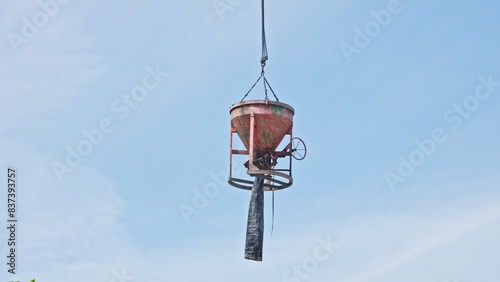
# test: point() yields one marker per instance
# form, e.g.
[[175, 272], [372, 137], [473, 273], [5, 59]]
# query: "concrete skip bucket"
[[262, 125]]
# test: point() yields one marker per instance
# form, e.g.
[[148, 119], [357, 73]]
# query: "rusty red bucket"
[[272, 122]]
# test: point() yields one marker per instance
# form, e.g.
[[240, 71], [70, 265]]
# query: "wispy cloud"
[[439, 229], [46, 76]]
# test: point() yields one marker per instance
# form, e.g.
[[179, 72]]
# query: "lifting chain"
[[263, 60], [264, 57]]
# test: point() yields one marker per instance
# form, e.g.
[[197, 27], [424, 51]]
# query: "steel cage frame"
[[276, 179]]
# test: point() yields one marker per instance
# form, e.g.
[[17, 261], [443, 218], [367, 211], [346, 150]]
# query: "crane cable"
[[263, 60], [264, 57]]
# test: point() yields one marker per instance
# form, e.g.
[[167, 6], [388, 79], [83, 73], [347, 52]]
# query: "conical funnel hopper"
[[272, 122]]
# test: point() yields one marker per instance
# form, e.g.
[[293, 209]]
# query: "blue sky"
[[402, 129]]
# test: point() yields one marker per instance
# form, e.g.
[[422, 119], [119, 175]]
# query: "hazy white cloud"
[[47, 75], [424, 235], [64, 225]]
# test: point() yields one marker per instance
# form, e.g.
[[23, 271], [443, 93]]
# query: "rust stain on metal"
[[272, 119]]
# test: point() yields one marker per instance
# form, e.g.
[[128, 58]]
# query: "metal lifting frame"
[[254, 171]]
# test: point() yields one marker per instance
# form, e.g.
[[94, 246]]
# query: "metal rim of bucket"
[[261, 102], [278, 184]]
